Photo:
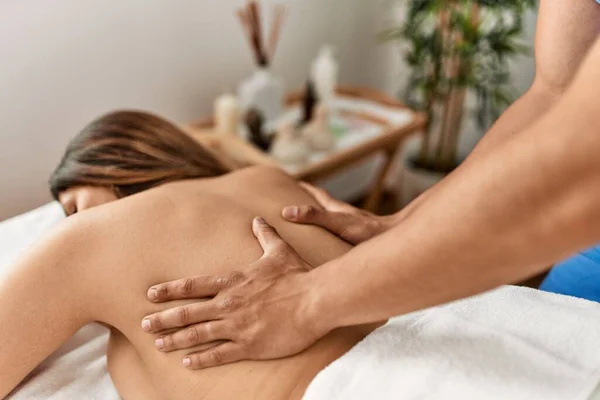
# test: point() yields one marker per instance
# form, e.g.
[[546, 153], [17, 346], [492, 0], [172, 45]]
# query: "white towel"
[[20, 232], [511, 343]]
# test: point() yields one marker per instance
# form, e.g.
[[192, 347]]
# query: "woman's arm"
[[41, 302]]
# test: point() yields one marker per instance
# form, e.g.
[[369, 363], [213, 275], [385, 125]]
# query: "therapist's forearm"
[[498, 219], [520, 115]]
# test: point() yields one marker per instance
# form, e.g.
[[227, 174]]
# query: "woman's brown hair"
[[132, 151]]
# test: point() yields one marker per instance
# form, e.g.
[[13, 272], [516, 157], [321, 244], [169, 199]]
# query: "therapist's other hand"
[[259, 312], [349, 223]]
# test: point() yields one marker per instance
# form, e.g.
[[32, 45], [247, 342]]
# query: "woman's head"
[[123, 153]]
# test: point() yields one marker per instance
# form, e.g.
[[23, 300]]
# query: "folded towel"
[[511, 343]]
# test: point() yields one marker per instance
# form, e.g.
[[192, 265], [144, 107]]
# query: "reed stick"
[[279, 17], [255, 13], [243, 17], [250, 16]]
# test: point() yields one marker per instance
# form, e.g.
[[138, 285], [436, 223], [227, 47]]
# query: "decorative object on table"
[[288, 148], [227, 114], [255, 123], [324, 75], [370, 123], [456, 46], [262, 90], [309, 101], [317, 133]]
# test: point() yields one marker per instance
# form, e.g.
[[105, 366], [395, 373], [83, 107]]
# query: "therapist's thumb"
[[267, 236], [335, 222]]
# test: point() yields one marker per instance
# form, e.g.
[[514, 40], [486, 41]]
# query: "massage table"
[[510, 343]]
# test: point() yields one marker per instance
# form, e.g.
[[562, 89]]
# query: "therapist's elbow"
[[545, 92]]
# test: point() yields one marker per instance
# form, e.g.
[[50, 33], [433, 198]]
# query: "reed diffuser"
[[262, 91]]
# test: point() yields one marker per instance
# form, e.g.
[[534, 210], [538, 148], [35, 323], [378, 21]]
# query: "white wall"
[[65, 62]]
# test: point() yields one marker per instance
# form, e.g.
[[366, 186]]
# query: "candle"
[[227, 114]]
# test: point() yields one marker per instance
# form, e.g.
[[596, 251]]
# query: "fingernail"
[[290, 212], [259, 220], [146, 325], [153, 294], [187, 362], [159, 343]]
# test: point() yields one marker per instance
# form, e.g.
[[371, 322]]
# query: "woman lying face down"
[[158, 206]]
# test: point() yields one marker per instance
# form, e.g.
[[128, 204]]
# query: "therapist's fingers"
[[323, 197], [225, 353], [268, 237], [187, 288], [195, 335], [181, 316], [337, 223]]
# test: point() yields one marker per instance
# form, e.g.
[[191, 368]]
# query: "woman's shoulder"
[[255, 179], [243, 187], [262, 172]]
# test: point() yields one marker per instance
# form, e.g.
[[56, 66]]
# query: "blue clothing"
[[578, 276]]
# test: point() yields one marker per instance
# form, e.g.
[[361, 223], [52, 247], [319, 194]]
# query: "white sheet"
[[17, 233], [489, 347], [512, 343]]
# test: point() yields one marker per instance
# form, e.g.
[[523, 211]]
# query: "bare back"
[[195, 228]]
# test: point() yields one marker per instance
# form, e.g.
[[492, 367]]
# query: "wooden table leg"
[[372, 202]]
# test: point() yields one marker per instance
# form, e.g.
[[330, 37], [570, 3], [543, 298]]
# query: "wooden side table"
[[392, 121]]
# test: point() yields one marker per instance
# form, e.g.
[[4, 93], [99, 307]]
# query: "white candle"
[[227, 114]]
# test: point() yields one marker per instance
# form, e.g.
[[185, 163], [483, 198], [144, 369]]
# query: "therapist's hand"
[[350, 223], [262, 311]]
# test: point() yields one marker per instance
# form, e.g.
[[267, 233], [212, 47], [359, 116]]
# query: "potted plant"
[[456, 46]]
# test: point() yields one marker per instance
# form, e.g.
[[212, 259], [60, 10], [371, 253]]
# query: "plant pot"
[[416, 180]]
